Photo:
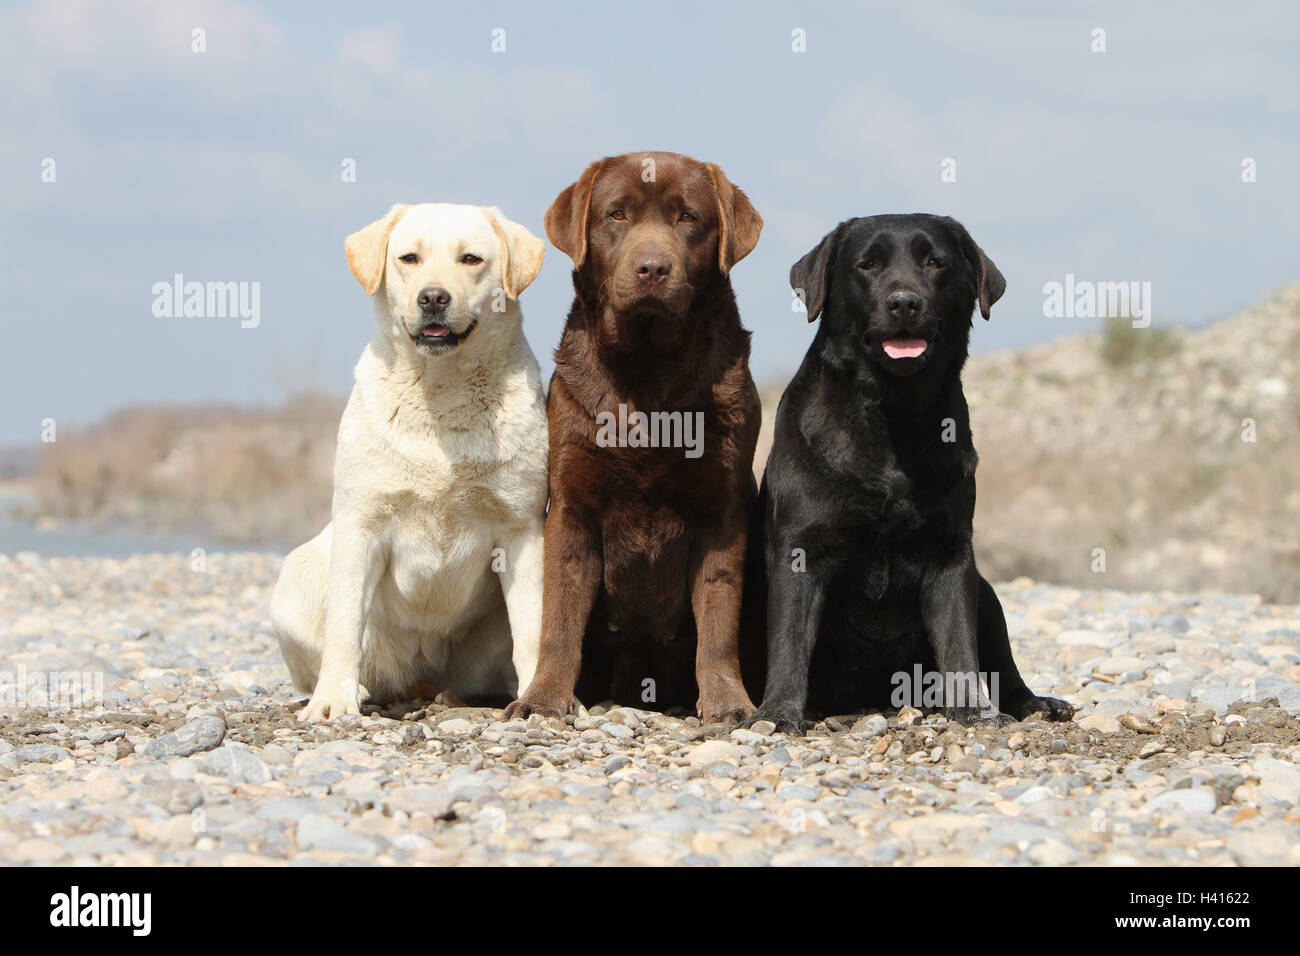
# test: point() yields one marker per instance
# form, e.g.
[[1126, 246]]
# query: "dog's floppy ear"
[[521, 252], [367, 249], [566, 220], [739, 221], [989, 282], [810, 276]]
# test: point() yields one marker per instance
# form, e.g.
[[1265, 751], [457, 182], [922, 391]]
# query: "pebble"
[[202, 733], [1103, 723], [316, 831], [236, 763], [1191, 800], [872, 725], [41, 753], [1092, 638], [712, 751]]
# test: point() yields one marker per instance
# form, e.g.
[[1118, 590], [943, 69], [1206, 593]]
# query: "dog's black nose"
[[651, 268], [903, 305], [434, 298]]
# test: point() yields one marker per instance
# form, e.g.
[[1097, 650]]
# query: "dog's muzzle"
[[438, 337]]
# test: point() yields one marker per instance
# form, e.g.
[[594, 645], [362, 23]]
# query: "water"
[[81, 539]]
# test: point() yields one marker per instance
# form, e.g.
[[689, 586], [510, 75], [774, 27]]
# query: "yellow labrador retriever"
[[433, 560]]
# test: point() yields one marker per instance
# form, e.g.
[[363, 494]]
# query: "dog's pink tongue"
[[904, 348]]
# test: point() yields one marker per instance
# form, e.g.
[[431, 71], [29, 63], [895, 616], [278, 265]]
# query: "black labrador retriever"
[[861, 535]]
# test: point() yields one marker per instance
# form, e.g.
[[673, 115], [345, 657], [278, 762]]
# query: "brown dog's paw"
[[724, 714], [728, 707], [548, 705]]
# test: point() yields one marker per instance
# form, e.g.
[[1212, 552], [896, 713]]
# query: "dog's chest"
[[438, 553], [910, 511], [646, 567]]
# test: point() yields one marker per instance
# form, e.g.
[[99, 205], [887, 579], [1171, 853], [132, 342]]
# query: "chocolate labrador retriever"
[[653, 421], [862, 530]]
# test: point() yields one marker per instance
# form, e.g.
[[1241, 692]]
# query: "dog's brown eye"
[[410, 258], [618, 215], [867, 264], [686, 217], [470, 259], [933, 263]]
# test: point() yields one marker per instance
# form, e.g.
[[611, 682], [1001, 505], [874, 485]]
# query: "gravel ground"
[[1186, 749]]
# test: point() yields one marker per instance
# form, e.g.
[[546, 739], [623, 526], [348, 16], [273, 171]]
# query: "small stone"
[[236, 763], [1115, 666], [1151, 748], [41, 753], [317, 831], [906, 717], [1095, 638], [200, 734], [552, 830], [1102, 723], [625, 716], [1035, 795], [205, 710], [1052, 853], [1187, 800], [870, 726], [712, 751], [1137, 723], [1218, 735]]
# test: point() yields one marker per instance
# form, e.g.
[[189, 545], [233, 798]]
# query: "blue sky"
[[225, 165]]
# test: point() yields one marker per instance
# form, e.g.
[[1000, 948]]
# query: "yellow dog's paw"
[[336, 699]]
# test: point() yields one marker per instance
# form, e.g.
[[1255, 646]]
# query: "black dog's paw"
[[969, 716], [788, 720], [1051, 708]]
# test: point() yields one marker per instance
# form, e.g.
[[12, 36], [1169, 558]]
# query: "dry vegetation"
[[1130, 441], [245, 475]]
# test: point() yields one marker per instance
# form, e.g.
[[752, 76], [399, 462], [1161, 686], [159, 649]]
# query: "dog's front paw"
[[331, 700], [969, 716], [788, 719], [725, 708], [539, 702], [1051, 708]]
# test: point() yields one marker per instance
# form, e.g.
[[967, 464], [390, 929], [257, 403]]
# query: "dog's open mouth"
[[904, 348], [435, 336]]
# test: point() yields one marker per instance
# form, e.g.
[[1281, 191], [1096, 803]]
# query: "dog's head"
[[441, 273], [901, 287], [650, 232]]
